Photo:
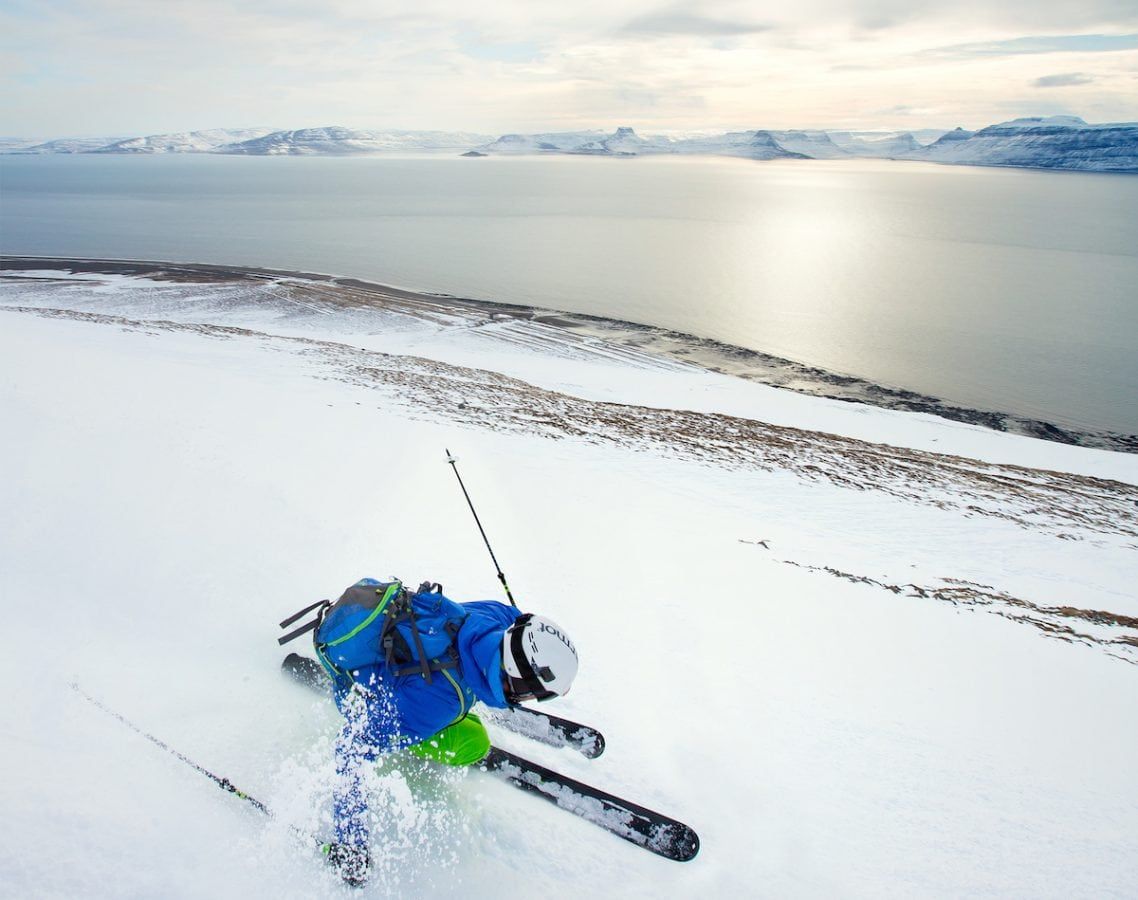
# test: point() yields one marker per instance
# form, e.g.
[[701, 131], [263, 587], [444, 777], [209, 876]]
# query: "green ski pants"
[[462, 744]]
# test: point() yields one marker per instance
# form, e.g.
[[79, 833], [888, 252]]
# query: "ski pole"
[[501, 577], [224, 783]]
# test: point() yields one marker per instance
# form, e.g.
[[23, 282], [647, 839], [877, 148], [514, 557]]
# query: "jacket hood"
[[480, 649]]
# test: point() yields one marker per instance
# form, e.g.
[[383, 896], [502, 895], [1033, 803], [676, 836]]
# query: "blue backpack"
[[376, 623]]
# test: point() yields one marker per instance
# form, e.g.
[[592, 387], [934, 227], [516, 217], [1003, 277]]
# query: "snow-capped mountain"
[[763, 145], [626, 142], [59, 145], [1058, 142], [622, 142], [948, 140], [182, 142], [336, 140], [885, 143], [813, 144], [548, 142], [886, 146], [758, 144]]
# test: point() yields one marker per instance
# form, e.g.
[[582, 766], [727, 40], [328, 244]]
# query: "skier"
[[420, 701]]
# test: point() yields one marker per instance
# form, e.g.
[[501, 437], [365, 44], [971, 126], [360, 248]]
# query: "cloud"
[[675, 21], [1067, 79], [521, 51], [1064, 43], [514, 65], [903, 109]]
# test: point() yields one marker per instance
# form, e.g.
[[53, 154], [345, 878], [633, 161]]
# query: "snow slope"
[[889, 146], [813, 144], [59, 145], [1056, 142], [1062, 142], [336, 140], [184, 142], [856, 668], [551, 142]]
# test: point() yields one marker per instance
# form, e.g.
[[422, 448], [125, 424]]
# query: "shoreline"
[[705, 353]]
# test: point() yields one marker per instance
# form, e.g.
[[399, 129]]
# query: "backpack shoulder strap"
[[304, 629]]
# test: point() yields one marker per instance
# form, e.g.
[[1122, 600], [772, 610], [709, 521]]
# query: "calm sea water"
[[998, 289]]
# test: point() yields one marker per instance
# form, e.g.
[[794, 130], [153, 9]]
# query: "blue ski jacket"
[[384, 712]]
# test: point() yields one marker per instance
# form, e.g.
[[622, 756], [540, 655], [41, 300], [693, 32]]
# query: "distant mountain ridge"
[[257, 142], [335, 140], [183, 142], [1056, 142]]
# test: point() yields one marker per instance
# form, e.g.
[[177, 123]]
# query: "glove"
[[353, 863]]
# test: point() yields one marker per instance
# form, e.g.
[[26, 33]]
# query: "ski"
[[537, 726], [307, 672], [651, 830], [551, 730]]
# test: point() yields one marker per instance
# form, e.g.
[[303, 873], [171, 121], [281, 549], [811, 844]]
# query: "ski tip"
[[689, 847], [680, 843], [594, 748]]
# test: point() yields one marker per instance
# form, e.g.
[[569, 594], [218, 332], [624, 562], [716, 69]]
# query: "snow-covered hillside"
[[184, 142], [593, 142], [813, 144], [1058, 142], [889, 146], [626, 142], [757, 144], [1064, 142], [307, 141], [59, 145], [857, 141], [864, 653]]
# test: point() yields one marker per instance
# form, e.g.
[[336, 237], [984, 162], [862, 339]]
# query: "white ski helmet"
[[539, 660]]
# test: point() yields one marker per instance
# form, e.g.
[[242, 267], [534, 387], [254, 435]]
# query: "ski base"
[[306, 671], [646, 828]]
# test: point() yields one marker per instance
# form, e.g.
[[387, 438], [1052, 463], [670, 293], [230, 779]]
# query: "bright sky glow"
[[129, 67]]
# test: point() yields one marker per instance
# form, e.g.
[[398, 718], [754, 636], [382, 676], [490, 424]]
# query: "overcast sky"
[[129, 67]]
